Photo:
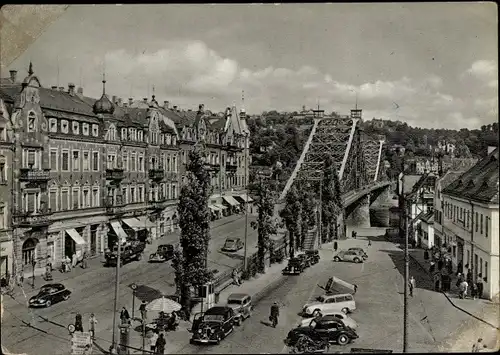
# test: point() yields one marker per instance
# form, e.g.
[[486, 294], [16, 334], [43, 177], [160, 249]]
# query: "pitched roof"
[[479, 183], [409, 182], [449, 177]]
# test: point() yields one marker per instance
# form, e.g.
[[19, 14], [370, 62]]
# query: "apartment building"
[[86, 172], [471, 221]]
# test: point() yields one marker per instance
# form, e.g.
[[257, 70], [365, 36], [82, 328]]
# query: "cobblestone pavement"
[[93, 291]]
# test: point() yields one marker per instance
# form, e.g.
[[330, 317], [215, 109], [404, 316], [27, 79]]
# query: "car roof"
[[337, 295], [329, 320], [218, 310], [238, 296], [53, 285]]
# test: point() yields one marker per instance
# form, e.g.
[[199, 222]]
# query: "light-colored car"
[[348, 321], [349, 255], [328, 304], [233, 244], [360, 251], [241, 303]]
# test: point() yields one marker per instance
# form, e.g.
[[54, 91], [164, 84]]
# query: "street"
[[379, 306], [93, 292]]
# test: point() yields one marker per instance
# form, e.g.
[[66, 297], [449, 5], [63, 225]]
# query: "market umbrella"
[[163, 304]]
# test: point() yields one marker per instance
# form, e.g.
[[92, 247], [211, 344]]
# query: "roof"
[[238, 296], [479, 183], [449, 177], [218, 310], [409, 182]]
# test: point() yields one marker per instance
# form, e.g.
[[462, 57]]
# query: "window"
[[86, 198], [468, 257], [95, 130], [476, 221], [174, 163], [141, 193], [95, 161], [76, 198], [76, 160], [53, 205], [111, 163], [31, 122], [486, 226], [53, 125], [132, 162], [65, 160], [125, 161], [140, 163], [85, 129], [64, 199], [3, 170], [86, 161], [53, 159], [95, 197], [174, 192], [76, 127], [2, 217], [124, 134], [132, 194], [481, 223], [124, 194], [480, 266], [485, 271], [3, 136], [64, 126]]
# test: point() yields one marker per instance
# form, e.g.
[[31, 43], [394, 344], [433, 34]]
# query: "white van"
[[327, 304]]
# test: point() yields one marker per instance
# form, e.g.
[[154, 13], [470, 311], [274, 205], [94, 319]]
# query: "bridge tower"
[[356, 155]]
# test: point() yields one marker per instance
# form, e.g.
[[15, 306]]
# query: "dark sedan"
[[50, 294], [213, 325], [233, 245], [323, 329]]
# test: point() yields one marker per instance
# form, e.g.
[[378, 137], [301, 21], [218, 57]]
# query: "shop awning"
[[214, 208], [132, 223], [230, 200], [219, 206], [144, 223], [119, 231], [76, 236], [244, 197]]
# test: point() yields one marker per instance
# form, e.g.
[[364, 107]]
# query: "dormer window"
[[95, 130], [31, 122], [162, 138], [174, 140], [53, 125], [76, 128], [85, 129], [169, 139], [140, 136], [64, 126], [124, 134]]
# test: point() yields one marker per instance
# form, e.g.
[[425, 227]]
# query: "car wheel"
[[336, 258], [48, 303], [356, 260], [217, 339], [66, 297], [139, 257], [316, 313], [343, 339], [345, 310]]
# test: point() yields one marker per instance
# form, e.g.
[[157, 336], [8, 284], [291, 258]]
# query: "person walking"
[[160, 344], [353, 235], [477, 346], [369, 242], [92, 323], [473, 290], [152, 341], [142, 309], [463, 289], [124, 316], [74, 260], [78, 323], [355, 289], [49, 262], [411, 284], [84, 260], [335, 246], [275, 313], [67, 263], [480, 286]]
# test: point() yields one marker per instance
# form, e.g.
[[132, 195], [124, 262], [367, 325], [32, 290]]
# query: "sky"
[[431, 65]]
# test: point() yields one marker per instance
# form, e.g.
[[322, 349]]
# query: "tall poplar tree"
[[331, 200], [290, 216], [307, 212]]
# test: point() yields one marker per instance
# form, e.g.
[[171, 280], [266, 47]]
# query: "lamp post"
[[245, 261], [117, 283], [133, 287], [406, 259]]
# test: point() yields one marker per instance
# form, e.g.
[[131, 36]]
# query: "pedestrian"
[[335, 246], [67, 263], [92, 323], [473, 290], [160, 344], [480, 287], [355, 288], [411, 285], [74, 260], [78, 323], [477, 346], [469, 277], [440, 264], [369, 242], [463, 289], [84, 260], [152, 341], [236, 279], [49, 262], [124, 316], [142, 309], [432, 267], [353, 235], [21, 276]]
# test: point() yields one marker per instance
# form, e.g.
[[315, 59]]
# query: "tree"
[[290, 217], [307, 212], [264, 224], [194, 222], [331, 200]]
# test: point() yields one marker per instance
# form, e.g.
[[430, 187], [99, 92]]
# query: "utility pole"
[[320, 226], [245, 261], [117, 283], [407, 264]]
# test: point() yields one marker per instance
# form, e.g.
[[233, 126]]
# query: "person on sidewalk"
[[142, 309], [477, 346], [355, 289], [411, 284], [92, 323], [473, 290], [275, 313], [353, 235], [84, 260], [74, 260], [124, 316], [152, 341], [160, 344], [236, 278], [67, 263], [49, 262], [369, 242], [78, 323], [335, 246], [463, 289], [480, 286]]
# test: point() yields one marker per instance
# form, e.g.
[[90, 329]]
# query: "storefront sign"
[[81, 343]]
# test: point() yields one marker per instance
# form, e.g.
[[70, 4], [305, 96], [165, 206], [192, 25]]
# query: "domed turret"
[[104, 104]]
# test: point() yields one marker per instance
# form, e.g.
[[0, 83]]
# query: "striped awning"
[[76, 236], [230, 200], [119, 231]]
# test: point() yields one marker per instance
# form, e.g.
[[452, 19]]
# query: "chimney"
[[61, 88], [13, 75], [54, 87], [166, 104], [145, 99], [491, 148], [80, 91], [71, 89], [175, 107], [130, 101], [113, 99]]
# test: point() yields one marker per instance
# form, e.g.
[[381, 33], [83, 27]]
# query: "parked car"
[[327, 304], [324, 329], [313, 256], [295, 267], [241, 303], [348, 255], [305, 260], [348, 321], [360, 251], [213, 325], [50, 294], [164, 252], [233, 244], [129, 251]]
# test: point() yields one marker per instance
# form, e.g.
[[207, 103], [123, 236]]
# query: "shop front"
[[245, 200], [138, 227], [74, 243], [215, 212], [6, 258], [115, 233], [231, 204]]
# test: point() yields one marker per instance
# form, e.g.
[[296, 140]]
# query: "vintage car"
[[164, 252], [324, 329], [360, 251], [306, 260], [241, 303], [232, 245], [313, 256], [327, 304], [348, 321], [129, 251], [295, 267], [50, 294], [349, 255], [213, 325]]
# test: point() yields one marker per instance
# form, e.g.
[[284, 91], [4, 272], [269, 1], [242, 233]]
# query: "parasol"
[[163, 304]]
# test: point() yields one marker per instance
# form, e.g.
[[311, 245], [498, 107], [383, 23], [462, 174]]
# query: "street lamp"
[[407, 260], [117, 283], [133, 287], [245, 261]]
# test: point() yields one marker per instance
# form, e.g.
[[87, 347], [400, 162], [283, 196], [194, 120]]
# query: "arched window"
[[31, 122], [29, 247]]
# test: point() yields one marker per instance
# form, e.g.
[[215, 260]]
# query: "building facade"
[[471, 222], [86, 172]]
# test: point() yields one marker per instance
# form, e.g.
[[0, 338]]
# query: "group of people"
[[79, 324], [467, 286], [68, 264]]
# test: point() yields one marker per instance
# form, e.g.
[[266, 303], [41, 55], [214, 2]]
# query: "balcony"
[[34, 175], [115, 174], [231, 168], [32, 219], [212, 167], [158, 205], [114, 205], [156, 174]]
